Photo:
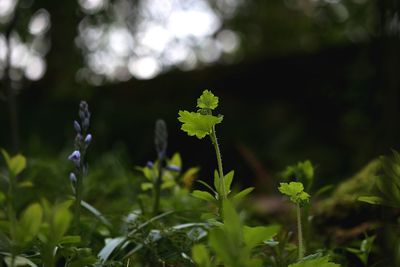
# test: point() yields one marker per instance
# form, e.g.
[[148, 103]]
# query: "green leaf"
[[204, 195], [217, 182], [207, 100], [176, 160], [29, 224], [61, 221], [17, 164], [374, 200], [95, 212], [146, 186], [190, 176], [320, 262], [255, 235], [243, 193], [6, 157], [207, 185], [228, 181], [201, 256], [295, 191], [19, 261], [196, 124]]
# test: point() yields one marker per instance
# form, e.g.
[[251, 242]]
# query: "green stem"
[[78, 200], [219, 161], [299, 232], [157, 187]]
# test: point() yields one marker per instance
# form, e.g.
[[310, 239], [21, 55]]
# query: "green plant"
[[387, 184], [201, 124], [232, 242], [364, 249], [295, 191]]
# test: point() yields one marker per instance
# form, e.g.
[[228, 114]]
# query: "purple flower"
[[72, 178], [77, 127], [150, 164], [88, 139], [173, 168], [75, 157]]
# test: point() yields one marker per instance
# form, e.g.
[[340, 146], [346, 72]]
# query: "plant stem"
[[157, 187], [219, 161], [78, 200], [299, 232]]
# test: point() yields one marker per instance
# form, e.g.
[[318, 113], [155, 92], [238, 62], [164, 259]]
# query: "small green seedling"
[[295, 191], [201, 124]]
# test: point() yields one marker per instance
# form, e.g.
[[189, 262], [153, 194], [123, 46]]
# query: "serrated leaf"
[[196, 124], [204, 195], [243, 193], [207, 100], [295, 191], [320, 262]]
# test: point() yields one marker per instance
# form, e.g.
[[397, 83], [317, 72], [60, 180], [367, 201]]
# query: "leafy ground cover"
[[162, 214]]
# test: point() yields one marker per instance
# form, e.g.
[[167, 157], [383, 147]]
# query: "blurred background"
[[297, 80]]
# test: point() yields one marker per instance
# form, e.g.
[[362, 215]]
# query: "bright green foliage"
[[29, 224], [233, 243], [302, 172], [201, 256], [196, 124], [228, 178], [14, 164], [295, 191], [207, 100], [315, 262]]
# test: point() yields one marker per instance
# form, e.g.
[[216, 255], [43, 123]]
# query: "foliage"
[[166, 222], [295, 191], [387, 185], [319, 261]]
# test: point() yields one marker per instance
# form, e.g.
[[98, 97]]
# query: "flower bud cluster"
[[81, 144]]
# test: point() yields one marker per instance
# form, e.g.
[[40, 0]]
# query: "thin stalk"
[[157, 187], [78, 200], [299, 232], [219, 161], [12, 217]]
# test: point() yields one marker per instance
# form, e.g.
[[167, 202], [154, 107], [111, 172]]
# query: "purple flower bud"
[[75, 157], [77, 127], [72, 178], [88, 139], [150, 164], [173, 168]]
